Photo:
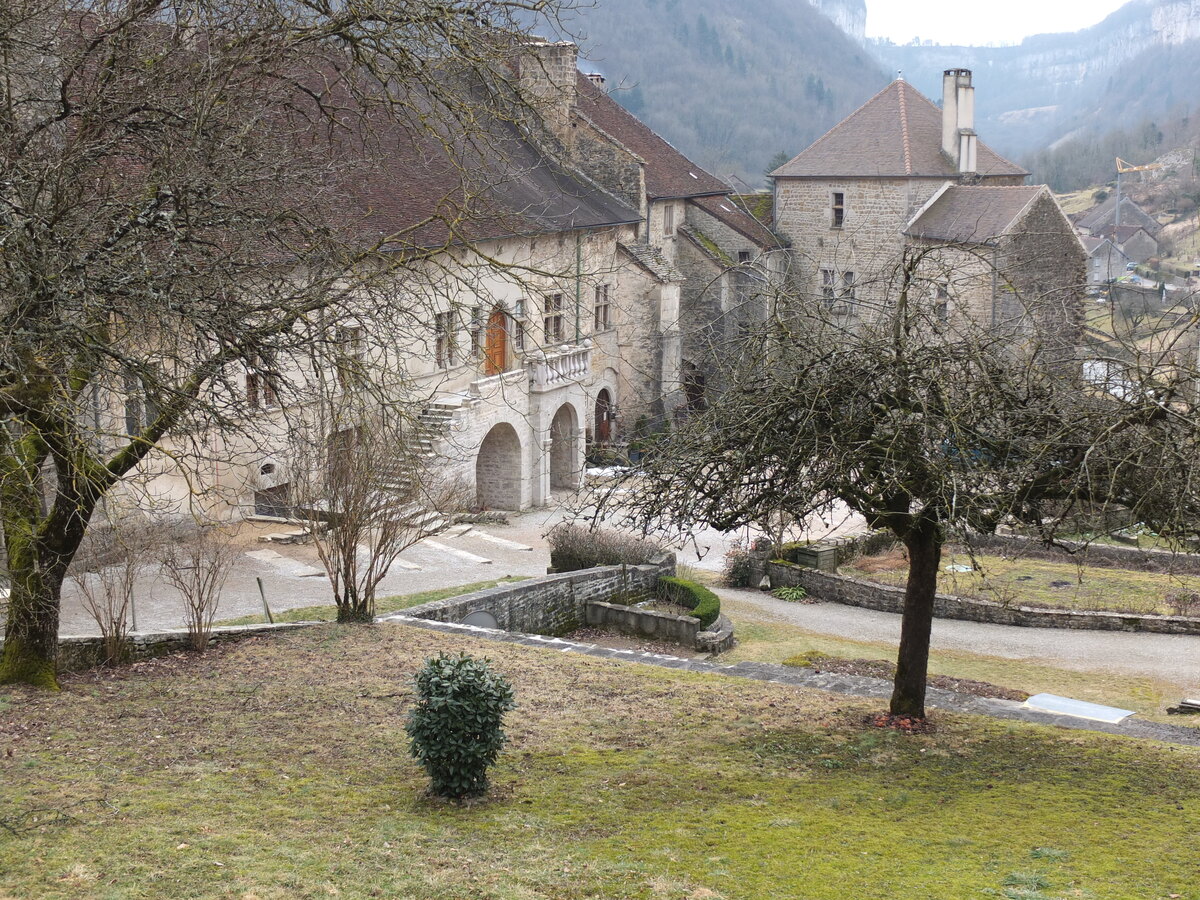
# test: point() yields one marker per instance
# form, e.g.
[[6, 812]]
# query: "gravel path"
[[1167, 656]]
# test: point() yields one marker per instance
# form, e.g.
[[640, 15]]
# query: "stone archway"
[[564, 448], [498, 474]]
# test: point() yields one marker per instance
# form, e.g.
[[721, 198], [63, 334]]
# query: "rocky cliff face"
[[1036, 92], [848, 15]]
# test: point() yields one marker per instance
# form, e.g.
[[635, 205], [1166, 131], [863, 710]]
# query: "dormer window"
[[839, 209]]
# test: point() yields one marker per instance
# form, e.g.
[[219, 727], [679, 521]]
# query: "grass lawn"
[[1024, 581], [277, 768], [383, 605]]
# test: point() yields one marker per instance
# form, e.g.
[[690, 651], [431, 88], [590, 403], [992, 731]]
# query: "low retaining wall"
[[79, 652], [554, 604], [870, 595], [660, 626], [645, 622]]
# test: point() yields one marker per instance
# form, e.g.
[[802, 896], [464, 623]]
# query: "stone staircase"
[[433, 425]]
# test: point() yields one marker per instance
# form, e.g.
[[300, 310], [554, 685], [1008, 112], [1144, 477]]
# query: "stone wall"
[[554, 604], [882, 597], [79, 652], [644, 622]]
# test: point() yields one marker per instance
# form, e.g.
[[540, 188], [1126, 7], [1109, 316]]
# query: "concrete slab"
[[454, 551], [1080, 709]]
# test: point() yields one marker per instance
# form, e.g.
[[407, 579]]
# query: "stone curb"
[[848, 685]]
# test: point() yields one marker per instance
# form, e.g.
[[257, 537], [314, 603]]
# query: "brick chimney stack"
[[959, 140]]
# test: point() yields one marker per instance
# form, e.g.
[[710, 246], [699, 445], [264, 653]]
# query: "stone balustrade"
[[558, 367]]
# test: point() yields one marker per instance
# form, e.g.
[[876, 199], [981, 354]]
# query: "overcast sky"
[[971, 23]]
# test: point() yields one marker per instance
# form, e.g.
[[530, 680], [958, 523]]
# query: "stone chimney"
[[546, 74], [959, 140]]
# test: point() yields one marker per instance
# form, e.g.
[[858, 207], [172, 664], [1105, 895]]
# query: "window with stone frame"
[[552, 319], [444, 339], [849, 282], [350, 352], [261, 388], [517, 324], [475, 330], [603, 309], [829, 280], [140, 407], [668, 218], [941, 302], [838, 209]]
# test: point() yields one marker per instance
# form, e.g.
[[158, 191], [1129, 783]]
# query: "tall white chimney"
[[958, 120]]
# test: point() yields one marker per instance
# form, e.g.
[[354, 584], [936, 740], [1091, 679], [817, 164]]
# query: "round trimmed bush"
[[456, 725]]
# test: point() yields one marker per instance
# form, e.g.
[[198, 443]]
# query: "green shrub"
[[793, 594], [704, 604], [455, 726], [573, 547]]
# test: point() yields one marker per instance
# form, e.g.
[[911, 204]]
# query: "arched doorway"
[[495, 343], [498, 475], [604, 416], [564, 448]]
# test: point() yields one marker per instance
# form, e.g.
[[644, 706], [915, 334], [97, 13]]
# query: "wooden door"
[[603, 430], [495, 344]]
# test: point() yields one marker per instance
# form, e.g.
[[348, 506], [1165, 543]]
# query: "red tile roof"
[[897, 133], [668, 172]]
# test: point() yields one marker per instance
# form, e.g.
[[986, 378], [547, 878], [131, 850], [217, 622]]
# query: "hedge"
[[704, 604], [573, 547]]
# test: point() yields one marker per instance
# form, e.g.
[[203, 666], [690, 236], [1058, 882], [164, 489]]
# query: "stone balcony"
[[558, 366]]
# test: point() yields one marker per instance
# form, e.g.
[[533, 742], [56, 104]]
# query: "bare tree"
[[367, 493], [180, 205], [197, 566], [106, 574], [925, 426]]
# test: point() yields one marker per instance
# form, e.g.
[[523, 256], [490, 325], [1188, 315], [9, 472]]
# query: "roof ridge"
[[908, 170]]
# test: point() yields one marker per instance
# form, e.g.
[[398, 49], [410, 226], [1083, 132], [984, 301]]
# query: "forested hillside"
[[730, 84], [1141, 64]]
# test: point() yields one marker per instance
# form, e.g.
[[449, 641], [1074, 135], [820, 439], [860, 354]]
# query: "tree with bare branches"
[[178, 207], [925, 425]]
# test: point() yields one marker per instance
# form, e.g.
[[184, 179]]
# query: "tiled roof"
[[898, 132], [668, 172], [413, 194], [973, 213], [727, 210], [1123, 233], [652, 260], [1131, 214]]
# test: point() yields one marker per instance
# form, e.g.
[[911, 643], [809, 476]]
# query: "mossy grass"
[[383, 605], [276, 769], [760, 640]]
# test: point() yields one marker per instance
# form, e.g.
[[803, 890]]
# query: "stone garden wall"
[[871, 595], [552, 605]]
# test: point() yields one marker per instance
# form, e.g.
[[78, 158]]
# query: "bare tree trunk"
[[924, 544]]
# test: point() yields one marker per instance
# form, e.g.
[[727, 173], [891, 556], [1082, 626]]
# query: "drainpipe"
[[578, 277]]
